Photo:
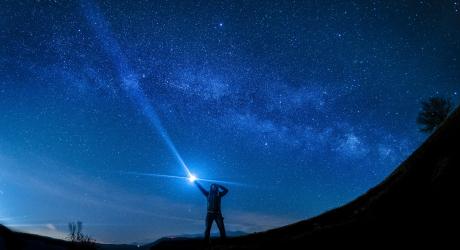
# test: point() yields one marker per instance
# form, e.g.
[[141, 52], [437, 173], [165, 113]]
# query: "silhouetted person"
[[214, 213]]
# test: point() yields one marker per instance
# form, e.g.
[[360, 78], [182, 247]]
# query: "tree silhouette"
[[434, 111]]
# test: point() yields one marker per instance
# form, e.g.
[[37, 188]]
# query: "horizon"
[[108, 108]]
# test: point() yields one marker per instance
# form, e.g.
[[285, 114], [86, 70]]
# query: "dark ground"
[[416, 206]]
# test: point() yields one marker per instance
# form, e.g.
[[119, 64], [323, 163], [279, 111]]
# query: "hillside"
[[14, 241]]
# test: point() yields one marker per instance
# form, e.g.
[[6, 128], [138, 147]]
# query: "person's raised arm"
[[205, 193], [224, 190]]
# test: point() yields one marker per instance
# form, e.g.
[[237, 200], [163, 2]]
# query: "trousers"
[[210, 218]]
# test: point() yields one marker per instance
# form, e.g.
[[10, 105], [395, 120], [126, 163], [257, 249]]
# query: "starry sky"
[[300, 105]]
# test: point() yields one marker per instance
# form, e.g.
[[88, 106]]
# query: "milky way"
[[307, 103]]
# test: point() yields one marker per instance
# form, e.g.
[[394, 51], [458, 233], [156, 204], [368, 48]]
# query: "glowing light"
[[192, 178]]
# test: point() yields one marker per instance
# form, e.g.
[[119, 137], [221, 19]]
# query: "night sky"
[[301, 105]]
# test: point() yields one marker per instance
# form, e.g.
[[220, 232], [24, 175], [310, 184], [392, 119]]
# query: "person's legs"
[[207, 231], [220, 225]]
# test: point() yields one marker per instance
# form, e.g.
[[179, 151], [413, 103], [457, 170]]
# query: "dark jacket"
[[213, 198]]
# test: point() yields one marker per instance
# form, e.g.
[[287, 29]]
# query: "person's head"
[[214, 188]]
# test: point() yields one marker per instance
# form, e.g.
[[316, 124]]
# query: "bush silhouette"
[[78, 240], [434, 111]]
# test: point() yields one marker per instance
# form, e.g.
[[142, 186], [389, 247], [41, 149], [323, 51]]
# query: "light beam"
[[128, 76], [130, 84], [192, 178]]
